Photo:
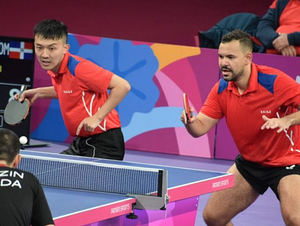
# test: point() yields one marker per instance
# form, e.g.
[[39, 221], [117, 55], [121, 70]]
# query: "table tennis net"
[[92, 176]]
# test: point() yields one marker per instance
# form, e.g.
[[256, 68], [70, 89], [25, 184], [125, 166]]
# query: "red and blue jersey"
[[270, 92], [81, 87]]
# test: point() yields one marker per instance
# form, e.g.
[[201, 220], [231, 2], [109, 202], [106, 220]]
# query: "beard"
[[234, 76]]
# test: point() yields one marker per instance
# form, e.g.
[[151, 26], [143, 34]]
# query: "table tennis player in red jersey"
[[260, 105], [81, 88]]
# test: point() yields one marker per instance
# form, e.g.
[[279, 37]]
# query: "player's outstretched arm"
[[33, 94], [281, 123], [119, 87]]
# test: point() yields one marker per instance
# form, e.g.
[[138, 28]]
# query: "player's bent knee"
[[292, 220], [213, 219]]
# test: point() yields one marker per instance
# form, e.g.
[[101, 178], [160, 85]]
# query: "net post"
[[151, 201]]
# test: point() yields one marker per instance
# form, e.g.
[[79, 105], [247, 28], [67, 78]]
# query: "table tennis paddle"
[[15, 111], [187, 107]]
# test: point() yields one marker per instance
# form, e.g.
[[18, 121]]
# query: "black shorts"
[[109, 145], [261, 177]]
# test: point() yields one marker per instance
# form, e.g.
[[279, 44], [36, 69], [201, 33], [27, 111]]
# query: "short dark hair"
[[243, 37], [9, 145], [51, 29]]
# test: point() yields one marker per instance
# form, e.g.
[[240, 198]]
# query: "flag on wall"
[[21, 50]]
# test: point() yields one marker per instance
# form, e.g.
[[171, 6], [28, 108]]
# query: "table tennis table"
[[77, 207]]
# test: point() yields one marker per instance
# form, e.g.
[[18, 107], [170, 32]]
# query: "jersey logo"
[[290, 167], [11, 178], [265, 112]]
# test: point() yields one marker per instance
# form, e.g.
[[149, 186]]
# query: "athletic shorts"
[[261, 177], [109, 145]]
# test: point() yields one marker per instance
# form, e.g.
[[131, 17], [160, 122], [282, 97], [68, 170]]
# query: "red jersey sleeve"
[[273, 5], [93, 77], [211, 106], [288, 91]]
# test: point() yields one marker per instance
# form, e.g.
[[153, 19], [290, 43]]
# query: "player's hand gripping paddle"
[[187, 107], [16, 111]]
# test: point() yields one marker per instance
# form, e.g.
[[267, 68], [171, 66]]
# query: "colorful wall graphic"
[[150, 113]]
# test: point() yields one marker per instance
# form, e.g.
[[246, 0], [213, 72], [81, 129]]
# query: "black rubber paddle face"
[[16, 111]]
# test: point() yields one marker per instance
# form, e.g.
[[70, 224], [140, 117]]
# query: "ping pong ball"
[[23, 140]]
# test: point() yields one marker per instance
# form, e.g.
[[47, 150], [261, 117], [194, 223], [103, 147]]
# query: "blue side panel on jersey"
[[222, 86], [72, 65], [267, 81]]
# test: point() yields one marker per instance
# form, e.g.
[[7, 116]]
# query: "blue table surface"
[[66, 201]]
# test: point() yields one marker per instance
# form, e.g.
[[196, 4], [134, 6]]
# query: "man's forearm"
[[43, 92], [200, 125], [293, 119], [47, 92], [37, 93], [115, 97], [194, 128]]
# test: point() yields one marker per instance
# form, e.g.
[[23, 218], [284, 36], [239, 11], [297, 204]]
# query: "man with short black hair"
[[81, 86], [22, 199]]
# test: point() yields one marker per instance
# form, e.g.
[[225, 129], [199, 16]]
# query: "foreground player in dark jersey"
[[22, 200]]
